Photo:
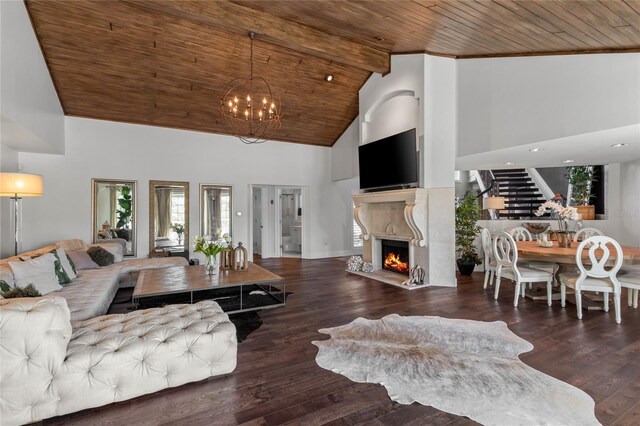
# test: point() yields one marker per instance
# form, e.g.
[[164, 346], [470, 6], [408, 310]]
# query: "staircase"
[[522, 196]]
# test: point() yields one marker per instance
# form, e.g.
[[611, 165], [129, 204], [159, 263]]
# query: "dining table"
[[565, 257]]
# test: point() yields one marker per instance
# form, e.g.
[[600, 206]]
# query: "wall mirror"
[[169, 217], [215, 209], [114, 211]]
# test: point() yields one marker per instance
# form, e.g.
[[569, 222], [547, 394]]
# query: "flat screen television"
[[387, 163]]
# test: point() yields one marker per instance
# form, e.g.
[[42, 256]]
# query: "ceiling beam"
[[239, 19]]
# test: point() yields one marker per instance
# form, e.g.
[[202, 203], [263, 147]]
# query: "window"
[[177, 207], [225, 212]]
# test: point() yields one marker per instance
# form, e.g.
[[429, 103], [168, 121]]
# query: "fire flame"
[[393, 262]]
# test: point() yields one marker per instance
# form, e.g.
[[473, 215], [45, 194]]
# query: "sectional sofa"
[[59, 353]]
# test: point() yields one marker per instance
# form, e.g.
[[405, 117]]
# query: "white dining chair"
[[489, 258], [521, 233], [629, 277], [595, 277], [506, 253], [585, 233]]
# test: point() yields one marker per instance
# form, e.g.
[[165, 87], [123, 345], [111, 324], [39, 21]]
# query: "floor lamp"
[[16, 186]]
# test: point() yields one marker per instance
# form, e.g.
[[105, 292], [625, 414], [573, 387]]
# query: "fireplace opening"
[[395, 256]]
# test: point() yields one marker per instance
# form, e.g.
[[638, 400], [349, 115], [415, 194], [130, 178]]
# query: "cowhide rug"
[[467, 368]]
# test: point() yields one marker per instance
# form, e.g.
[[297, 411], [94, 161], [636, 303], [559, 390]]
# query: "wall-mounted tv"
[[389, 163]]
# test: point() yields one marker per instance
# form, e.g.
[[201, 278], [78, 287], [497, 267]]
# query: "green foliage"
[[208, 247], [124, 207], [581, 178], [28, 291], [178, 228], [467, 215]]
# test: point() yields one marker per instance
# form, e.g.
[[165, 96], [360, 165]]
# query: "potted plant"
[[124, 208], [563, 215], [211, 249], [580, 178], [467, 215]]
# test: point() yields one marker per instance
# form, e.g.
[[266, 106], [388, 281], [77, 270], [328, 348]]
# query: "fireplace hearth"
[[395, 256]]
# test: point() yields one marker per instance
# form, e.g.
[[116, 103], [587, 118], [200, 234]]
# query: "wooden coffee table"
[[184, 284]]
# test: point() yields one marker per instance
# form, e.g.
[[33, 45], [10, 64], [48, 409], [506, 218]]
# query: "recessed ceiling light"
[[379, 38], [329, 77], [569, 161], [619, 145], [535, 150], [509, 163]]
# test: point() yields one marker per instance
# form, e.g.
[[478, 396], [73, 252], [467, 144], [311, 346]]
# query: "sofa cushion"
[[66, 264], [133, 265], [81, 260], [118, 357], [91, 293], [69, 245], [39, 271], [6, 275], [35, 333], [115, 249], [100, 255]]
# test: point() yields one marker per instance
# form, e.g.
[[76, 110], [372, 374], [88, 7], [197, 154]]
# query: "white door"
[[258, 225]]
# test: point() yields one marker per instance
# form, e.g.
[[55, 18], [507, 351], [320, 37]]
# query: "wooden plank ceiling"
[[166, 63]]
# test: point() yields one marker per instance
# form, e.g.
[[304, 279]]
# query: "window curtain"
[[113, 202], [163, 212]]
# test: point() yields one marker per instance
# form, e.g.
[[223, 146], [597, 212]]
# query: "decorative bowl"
[[536, 227]]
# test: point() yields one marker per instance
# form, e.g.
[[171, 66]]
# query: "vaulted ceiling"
[[166, 63]]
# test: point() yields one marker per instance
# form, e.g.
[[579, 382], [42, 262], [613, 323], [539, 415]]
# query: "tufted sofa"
[[92, 292], [51, 366]]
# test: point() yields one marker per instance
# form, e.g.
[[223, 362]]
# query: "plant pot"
[[465, 268], [587, 212], [564, 239]]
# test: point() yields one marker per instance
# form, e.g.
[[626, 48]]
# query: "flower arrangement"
[[563, 214], [178, 228], [210, 247]]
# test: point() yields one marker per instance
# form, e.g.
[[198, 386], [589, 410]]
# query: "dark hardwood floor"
[[277, 380]]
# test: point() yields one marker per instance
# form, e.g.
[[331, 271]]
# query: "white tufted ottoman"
[[49, 369]]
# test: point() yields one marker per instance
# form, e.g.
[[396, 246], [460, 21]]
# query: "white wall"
[[104, 149], [629, 213], [507, 102], [344, 153], [8, 163], [31, 117]]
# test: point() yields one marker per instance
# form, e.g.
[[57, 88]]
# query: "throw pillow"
[[81, 260], [28, 291], [101, 256], [115, 249], [6, 275], [66, 265], [73, 265], [61, 274], [39, 271]]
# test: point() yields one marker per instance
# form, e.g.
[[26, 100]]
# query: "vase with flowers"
[[563, 215], [211, 249]]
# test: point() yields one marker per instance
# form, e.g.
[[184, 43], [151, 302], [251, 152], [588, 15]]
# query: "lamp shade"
[[21, 185], [496, 203]]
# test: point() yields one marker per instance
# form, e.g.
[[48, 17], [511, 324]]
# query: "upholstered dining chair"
[[629, 277], [585, 233], [489, 258], [506, 253], [521, 233], [595, 277]]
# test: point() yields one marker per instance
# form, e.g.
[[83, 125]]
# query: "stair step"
[[508, 171], [501, 179], [517, 186]]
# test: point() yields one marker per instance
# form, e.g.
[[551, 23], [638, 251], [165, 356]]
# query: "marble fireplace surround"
[[399, 215]]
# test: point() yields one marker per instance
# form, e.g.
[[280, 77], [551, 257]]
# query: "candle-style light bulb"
[[230, 106], [273, 106], [260, 115], [246, 114], [235, 100]]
